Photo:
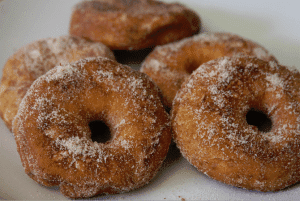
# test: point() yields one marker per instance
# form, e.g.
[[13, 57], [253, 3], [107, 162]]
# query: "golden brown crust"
[[132, 25], [54, 139], [210, 127], [171, 64], [34, 60]]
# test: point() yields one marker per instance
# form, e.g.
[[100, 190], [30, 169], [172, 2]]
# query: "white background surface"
[[275, 24]]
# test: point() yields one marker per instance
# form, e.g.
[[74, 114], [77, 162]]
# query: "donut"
[[54, 139], [171, 64], [132, 25], [213, 120], [35, 59]]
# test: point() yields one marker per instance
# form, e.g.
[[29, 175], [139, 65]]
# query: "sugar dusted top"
[[54, 118], [209, 120]]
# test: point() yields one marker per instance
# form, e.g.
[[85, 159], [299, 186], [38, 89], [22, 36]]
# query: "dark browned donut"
[[134, 24]]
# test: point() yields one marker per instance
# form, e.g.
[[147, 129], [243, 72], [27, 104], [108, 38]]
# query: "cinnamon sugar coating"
[[211, 130], [54, 139], [35, 59], [133, 25], [170, 65]]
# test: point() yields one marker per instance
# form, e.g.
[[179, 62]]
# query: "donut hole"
[[100, 131], [259, 119]]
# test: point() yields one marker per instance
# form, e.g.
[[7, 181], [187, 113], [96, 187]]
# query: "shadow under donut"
[[132, 58]]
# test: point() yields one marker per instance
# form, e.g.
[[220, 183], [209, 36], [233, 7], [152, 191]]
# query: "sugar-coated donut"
[[212, 130], [171, 64], [53, 136], [132, 25], [35, 59]]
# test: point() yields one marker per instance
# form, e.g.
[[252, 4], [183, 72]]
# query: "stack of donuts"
[[201, 89]]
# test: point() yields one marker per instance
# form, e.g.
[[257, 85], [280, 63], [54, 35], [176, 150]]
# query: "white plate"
[[274, 24]]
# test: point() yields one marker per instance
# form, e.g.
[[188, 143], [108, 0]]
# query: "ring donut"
[[132, 25], [215, 132], [171, 64], [34, 60], [53, 136]]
